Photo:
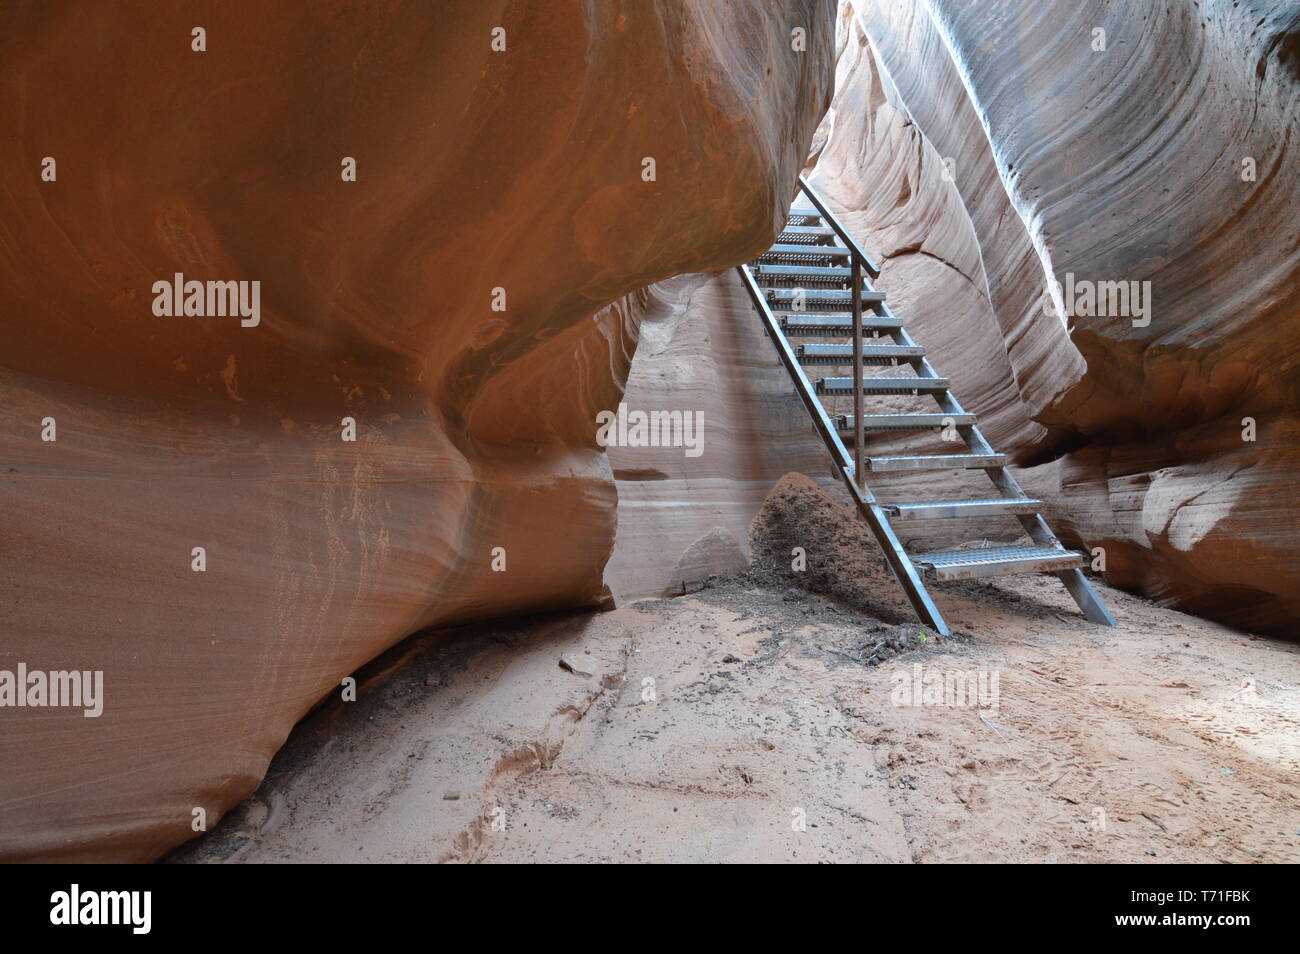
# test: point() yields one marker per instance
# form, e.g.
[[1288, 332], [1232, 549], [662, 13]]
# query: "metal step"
[[804, 215], [805, 235], [801, 252], [996, 561], [938, 462], [904, 422], [835, 386], [805, 325], [818, 273], [877, 354], [950, 509], [813, 298]]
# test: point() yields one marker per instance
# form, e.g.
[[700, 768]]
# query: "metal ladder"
[[810, 285]]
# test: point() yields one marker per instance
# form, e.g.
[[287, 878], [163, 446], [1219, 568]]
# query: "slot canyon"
[[187, 514]]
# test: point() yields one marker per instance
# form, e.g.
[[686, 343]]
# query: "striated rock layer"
[[1161, 151], [477, 170], [684, 516]]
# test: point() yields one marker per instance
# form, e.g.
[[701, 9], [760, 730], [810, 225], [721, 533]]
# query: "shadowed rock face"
[[1122, 165], [702, 351], [476, 170]]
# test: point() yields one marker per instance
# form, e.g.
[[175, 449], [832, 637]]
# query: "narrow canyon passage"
[[326, 535]]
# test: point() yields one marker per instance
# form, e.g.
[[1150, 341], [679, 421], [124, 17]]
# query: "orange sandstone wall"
[[476, 169]]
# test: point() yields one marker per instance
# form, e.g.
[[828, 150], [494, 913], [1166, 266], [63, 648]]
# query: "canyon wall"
[[685, 516], [183, 511], [1160, 150]]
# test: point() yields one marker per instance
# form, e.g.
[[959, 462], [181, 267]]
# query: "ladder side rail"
[[1081, 589], [1001, 477], [849, 241], [859, 429], [972, 435], [897, 559]]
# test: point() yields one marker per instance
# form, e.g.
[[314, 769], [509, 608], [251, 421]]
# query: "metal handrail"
[[849, 241], [858, 260], [859, 425]]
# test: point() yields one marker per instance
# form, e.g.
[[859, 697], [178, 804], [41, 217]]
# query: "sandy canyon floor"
[[759, 720]]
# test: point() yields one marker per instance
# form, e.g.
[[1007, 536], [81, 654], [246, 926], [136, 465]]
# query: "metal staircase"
[[809, 287]]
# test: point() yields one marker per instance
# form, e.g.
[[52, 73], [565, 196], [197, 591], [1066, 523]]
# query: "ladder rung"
[[822, 273], [882, 385], [904, 422], [938, 462], [811, 325], [949, 509], [871, 353], [828, 251], [805, 234], [822, 297], [996, 561], [815, 230]]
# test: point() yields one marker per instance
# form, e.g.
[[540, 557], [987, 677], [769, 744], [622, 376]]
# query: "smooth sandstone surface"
[[477, 170], [702, 350]]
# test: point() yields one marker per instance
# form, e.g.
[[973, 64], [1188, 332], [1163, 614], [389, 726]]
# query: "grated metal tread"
[[801, 253], [835, 386], [937, 462], [808, 325], [835, 297], [815, 300], [804, 234], [823, 272], [873, 354], [997, 561], [905, 422], [951, 509]]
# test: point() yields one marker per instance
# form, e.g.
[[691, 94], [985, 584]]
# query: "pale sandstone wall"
[[702, 350], [1121, 165]]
